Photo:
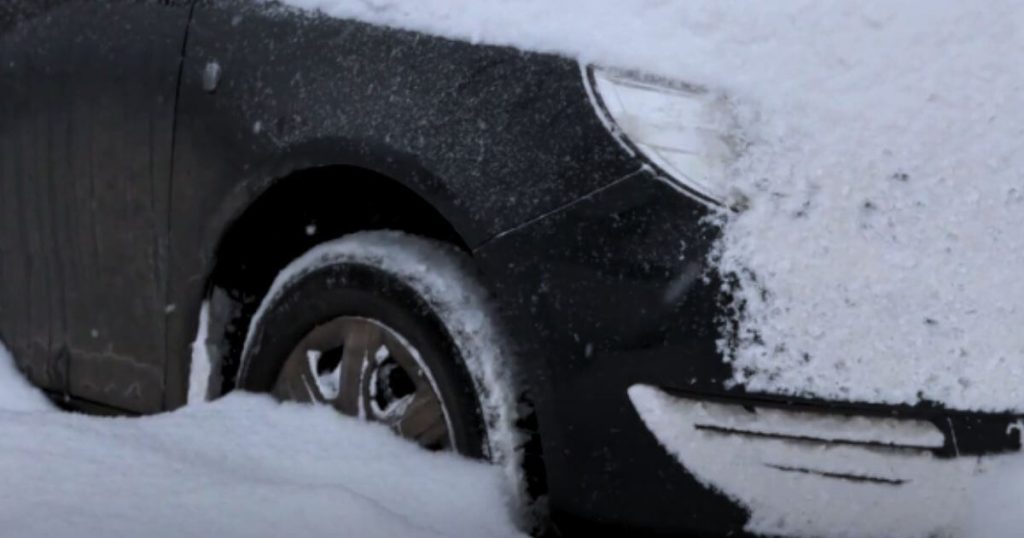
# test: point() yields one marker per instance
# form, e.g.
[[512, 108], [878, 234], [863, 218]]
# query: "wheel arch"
[[295, 203]]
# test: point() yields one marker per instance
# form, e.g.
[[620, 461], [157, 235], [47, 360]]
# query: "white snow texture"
[[200, 367], [243, 466], [884, 161]]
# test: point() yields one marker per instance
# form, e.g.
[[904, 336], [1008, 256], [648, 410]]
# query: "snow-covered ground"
[[243, 466]]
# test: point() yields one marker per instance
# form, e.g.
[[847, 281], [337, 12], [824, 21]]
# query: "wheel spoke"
[[293, 384], [423, 420], [361, 341], [299, 379]]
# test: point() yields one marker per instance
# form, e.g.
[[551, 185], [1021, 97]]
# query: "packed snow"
[[242, 466], [879, 259]]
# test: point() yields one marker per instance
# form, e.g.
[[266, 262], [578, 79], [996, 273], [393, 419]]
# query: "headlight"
[[681, 130]]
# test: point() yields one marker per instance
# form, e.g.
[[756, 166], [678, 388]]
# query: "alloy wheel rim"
[[365, 369]]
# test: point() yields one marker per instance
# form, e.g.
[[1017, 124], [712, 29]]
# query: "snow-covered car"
[[504, 253]]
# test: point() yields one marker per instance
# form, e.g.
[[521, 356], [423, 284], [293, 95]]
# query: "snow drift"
[[880, 257], [244, 466]]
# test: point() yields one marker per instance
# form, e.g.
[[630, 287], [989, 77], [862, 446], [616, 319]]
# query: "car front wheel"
[[389, 328]]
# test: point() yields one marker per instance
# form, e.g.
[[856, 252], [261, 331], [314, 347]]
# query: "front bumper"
[[807, 472], [614, 292]]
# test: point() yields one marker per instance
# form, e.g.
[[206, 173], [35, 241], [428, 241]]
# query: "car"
[[505, 253]]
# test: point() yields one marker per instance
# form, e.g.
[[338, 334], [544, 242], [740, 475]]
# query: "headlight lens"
[[682, 130]]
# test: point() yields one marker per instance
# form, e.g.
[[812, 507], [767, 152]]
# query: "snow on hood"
[[880, 257]]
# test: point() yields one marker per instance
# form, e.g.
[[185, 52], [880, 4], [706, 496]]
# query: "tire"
[[412, 310]]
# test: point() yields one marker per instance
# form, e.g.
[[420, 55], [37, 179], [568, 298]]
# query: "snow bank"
[[880, 258], [243, 466], [16, 394]]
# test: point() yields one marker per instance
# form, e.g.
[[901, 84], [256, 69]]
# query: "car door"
[[86, 134]]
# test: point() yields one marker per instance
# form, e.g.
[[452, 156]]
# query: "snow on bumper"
[[814, 474]]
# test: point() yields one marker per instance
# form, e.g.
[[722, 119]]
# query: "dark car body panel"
[[133, 134], [87, 122]]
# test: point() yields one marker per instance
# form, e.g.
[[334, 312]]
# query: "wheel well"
[[294, 214]]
